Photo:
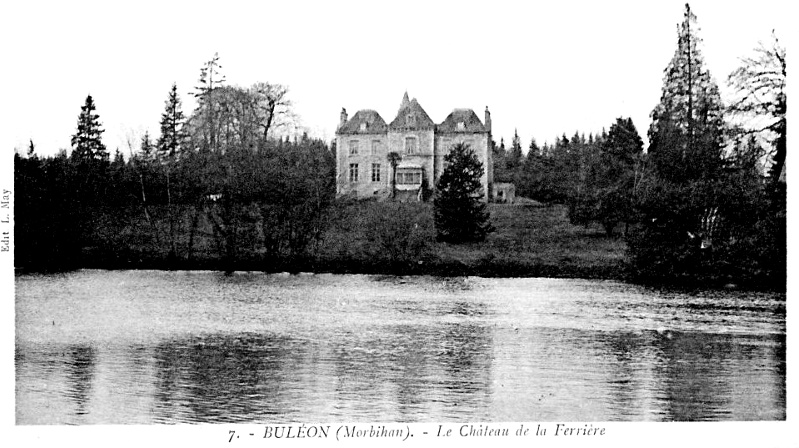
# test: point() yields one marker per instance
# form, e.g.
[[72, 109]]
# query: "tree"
[[147, 149], [204, 117], [460, 214], [687, 125], [761, 101], [514, 158], [168, 146], [697, 210], [172, 134], [393, 159], [759, 113], [529, 183], [608, 194], [272, 106], [87, 144], [499, 156]]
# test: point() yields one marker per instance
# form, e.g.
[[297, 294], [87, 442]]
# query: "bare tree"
[[141, 164], [760, 102], [272, 107]]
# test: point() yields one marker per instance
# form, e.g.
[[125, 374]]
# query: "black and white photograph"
[[250, 223]]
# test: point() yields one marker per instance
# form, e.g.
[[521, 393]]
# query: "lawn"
[[528, 241], [370, 237]]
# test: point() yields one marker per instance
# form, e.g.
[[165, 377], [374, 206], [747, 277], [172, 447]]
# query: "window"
[[410, 145], [409, 178], [410, 120], [461, 125], [353, 147], [363, 126], [353, 172], [376, 147], [375, 172]]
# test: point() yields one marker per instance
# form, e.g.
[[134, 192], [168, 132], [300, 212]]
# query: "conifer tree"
[[147, 148], [500, 157], [687, 204], [205, 116], [87, 144], [608, 196], [171, 126], [687, 125], [459, 211], [514, 159], [168, 147]]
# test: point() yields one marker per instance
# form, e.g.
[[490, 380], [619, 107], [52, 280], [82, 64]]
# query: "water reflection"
[[80, 367], [626, 353], [689, 376], [251, 377], [702, 375], [225, 377], [202, 347]]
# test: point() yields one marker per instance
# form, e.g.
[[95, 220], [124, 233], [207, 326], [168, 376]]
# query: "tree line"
[[219, 170], [707, 199]]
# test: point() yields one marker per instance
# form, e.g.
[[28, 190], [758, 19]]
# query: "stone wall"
[[424, 154], [367, 155]]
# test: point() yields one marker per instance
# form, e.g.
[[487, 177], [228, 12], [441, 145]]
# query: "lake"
[[142, 347]]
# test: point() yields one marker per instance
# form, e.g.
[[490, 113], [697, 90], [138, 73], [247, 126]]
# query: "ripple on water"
[[190, 346]]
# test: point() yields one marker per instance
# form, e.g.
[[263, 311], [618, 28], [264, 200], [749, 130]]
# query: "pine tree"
[[205, 116], [172, 135], [623, 142], [147, 148], [609, 197], [168, 147], [514, 159], [500, 157], [459, 211], [87, 144], [529, 180], [687, 203], [687, 125]]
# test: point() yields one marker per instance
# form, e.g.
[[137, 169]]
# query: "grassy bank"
[[365, 237], [528, 242]]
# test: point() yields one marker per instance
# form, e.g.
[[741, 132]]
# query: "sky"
[[542, 68]]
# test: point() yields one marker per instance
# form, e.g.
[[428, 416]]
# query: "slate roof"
[[421, 119], [469, 119], [374, 123]]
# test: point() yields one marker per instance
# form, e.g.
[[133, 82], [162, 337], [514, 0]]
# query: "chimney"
[[488, 120], [343, 117]]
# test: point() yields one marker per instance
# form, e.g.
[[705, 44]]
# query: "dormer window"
[[363, 126], [461, 125]]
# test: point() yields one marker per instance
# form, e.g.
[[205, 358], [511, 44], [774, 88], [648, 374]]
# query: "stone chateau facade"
[[364, 141]]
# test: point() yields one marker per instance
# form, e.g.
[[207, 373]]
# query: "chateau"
[[364, 142]]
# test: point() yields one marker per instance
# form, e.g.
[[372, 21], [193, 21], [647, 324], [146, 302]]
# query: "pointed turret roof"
[[405, 101], [411, 116]]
